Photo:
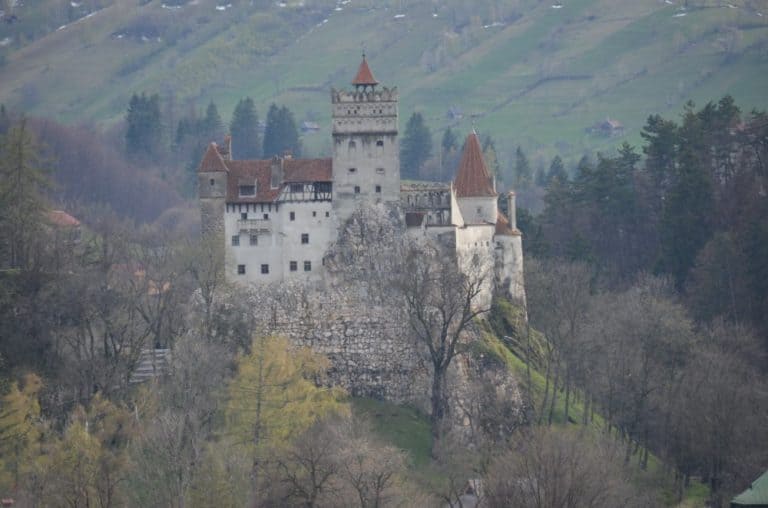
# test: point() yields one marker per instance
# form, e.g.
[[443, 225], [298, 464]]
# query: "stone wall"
[[373, 354]]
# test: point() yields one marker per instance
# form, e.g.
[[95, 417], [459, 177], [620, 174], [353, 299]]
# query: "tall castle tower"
[[366, 153]]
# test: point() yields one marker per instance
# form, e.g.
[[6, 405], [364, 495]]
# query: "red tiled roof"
[[364, 75], [308, 170], [62, 219], [472, 178], [212, 160], [503, 228], [260, 172]]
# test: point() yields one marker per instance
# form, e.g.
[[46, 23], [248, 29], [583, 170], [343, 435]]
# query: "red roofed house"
[[278, 217]]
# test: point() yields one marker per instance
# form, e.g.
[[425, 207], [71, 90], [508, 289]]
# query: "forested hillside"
[[536, 74]]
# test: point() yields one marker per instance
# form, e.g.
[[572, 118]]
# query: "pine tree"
[[212, 128], [522, 170], [686, 223], [416, 147], [144, 129], [557, 170], [491, 157], [449, 142], [280, 133], [22, 200], [244, 129]]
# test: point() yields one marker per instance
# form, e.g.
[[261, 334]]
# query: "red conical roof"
[[364, 75], [472, 178], [212, 160]]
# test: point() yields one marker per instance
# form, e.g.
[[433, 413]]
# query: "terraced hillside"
[[528, 72]]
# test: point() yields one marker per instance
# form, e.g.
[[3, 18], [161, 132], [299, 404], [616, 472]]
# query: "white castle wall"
[[279, 240], [479, 210], [474, 250]]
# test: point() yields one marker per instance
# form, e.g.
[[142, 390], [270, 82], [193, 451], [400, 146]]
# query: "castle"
[[277, 218]]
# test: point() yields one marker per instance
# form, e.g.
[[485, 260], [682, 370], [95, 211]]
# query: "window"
[[264, 269], [212, 182], [479, 210], [235, 240], [357, 189], [292, 215], [307, 266], [353, 170], [254, 240], [244, 215], [378, 189], [305, 238], [293, 266], [241, 269], [314, 214], [247, 190], [327, 214], [379, 143], [297, 187], [379, 171], [266, 216]]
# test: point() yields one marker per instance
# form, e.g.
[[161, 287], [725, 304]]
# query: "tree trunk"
[[546, 391], [439, 406], [554, 393], [567, 391]]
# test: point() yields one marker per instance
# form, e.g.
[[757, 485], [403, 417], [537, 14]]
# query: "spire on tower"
[[364, 76]]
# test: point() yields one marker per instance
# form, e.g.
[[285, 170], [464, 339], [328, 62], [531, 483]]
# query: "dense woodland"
[[645, 349]]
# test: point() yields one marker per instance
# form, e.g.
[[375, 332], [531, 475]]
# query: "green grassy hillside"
[[523, 71]]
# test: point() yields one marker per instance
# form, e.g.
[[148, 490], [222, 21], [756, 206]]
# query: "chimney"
[[511, 210], [276, 172], [287, 154], [228, 147]]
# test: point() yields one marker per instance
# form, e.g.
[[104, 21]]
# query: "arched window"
[[352, 148]]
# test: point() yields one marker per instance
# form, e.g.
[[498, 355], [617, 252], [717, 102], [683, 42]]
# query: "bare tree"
[[558, 297], [373, 470], [440, 302], [556, 467]]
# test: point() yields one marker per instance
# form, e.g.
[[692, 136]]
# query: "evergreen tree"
[[416, 146], [491, 157], [686, 223], [522, 170], [557, 170], [660, 150], [281, 134], [22, 202], [449, 155], [449, 142], [144, 129], [244, 129], [212, 127]]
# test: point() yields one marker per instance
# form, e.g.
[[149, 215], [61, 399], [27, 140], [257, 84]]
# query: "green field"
[[537, 79]]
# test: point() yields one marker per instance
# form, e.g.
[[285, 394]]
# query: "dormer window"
[[247, 190]]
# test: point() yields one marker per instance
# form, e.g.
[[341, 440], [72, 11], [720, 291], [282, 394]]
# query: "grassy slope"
[[635, 58]]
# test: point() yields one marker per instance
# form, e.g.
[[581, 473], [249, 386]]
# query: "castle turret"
[[366, 165], [475, 188], [212, 190]]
